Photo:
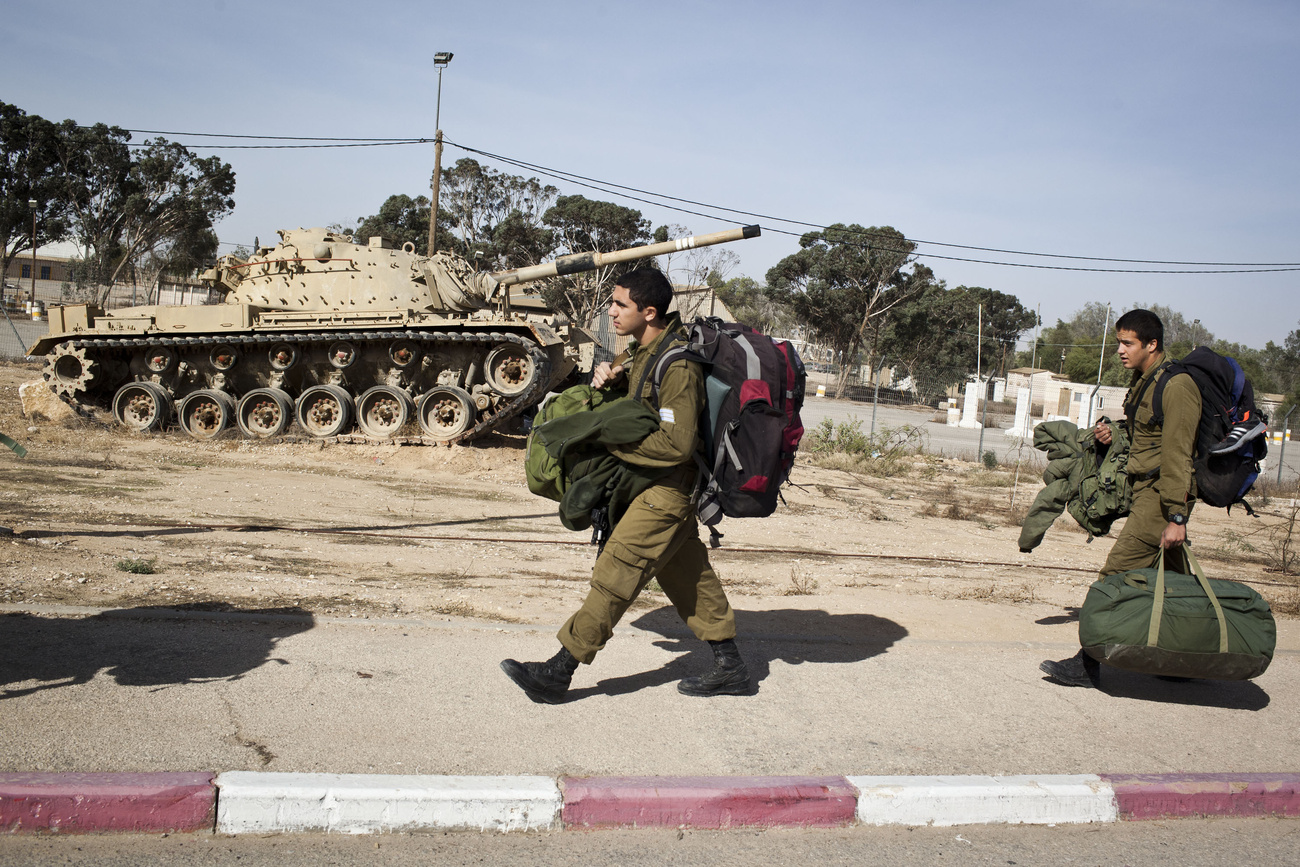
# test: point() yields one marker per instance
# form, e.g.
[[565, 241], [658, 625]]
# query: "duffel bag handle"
[[1158, 603]]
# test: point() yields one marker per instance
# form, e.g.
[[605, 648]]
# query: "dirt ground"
[[103, 518]]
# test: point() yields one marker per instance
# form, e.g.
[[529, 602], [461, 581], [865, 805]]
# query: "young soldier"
[[1159, 466], [658, 536]]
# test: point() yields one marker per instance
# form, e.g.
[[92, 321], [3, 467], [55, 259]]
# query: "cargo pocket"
[[621, 571]]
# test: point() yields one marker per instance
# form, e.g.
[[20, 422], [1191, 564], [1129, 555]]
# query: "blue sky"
[[1126, 130]]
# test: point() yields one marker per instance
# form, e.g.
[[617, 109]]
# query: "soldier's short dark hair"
[[648, 287], [1145, 324]]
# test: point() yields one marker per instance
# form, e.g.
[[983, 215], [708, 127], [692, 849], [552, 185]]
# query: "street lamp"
[[440, 61], [31, 203]]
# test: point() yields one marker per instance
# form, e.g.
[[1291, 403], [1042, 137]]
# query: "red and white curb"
[[240, 802]]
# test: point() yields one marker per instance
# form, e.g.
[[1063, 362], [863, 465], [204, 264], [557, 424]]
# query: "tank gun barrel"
[[579, 262]]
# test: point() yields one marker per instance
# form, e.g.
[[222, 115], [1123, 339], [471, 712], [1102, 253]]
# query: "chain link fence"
[[17, 332]]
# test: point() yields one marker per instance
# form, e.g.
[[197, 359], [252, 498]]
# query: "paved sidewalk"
[[922, 711]]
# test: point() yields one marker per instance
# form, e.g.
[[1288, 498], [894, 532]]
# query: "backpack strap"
[[1167, 370], [669, 344], [1163, 372]]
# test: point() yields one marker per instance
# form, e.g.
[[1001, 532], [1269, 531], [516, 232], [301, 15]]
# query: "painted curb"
[[707, 802], [368, 803], [1167, 796], [72, 803], [240, 802], [979, 800]]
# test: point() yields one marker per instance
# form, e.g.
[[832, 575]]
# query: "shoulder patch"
[[666, 414]]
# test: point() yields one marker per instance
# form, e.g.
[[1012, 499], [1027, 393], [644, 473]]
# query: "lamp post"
[[31, 203], [440, 60]]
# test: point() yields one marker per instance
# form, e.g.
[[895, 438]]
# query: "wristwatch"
[[1180, 520]]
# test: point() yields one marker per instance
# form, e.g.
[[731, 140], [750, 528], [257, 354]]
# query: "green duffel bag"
[[1167, 623]]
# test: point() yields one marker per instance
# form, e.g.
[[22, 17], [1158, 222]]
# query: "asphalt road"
[[1185, 843], [965, 443]]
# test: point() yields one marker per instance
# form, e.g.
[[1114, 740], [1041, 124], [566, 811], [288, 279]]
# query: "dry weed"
[[801, 583], [995, 592]]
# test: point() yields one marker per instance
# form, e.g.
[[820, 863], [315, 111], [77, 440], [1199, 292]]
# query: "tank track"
[[124, 347]]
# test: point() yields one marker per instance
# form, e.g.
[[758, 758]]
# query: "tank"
[[351, 341]]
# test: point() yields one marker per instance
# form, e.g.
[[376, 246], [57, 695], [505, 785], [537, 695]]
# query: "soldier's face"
[[627, 319], [1133, 352]]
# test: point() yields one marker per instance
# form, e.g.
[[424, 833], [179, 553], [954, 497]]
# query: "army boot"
[[1079, 670], [544, 682], [728, 676]]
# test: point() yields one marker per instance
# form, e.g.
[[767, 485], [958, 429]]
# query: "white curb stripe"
[[978, 800], [367, 803]]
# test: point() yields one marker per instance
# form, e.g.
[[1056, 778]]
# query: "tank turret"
[[334, 335]]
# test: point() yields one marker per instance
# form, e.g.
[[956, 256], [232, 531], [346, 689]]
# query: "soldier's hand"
[[1174, 535], [605, 374], [1101, 432]]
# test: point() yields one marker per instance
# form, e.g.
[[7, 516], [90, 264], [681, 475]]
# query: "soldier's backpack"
[[754, 388], [1230, 439]]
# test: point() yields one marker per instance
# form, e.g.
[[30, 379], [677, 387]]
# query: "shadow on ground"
[[793, 636], [138, 647], [1228, 694]]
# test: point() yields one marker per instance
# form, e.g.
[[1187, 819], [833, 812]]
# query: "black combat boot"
[[728, 677], [1079, 670], [545, 682]]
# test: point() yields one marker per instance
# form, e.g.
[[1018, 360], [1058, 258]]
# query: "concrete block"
[[70, 803], [978, 800], [1161, 796], [251, 802], [707, 802]]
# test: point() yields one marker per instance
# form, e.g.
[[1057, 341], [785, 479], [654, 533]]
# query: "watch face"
[[1178, 519]]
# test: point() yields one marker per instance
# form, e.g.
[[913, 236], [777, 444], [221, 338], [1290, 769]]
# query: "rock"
[[40, 402]]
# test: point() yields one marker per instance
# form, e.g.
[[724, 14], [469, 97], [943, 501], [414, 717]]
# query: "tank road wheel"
[[223, 357], [404, 353], [325, 410], [342, 354], [282, 356], [510, 369], [383, 410], [205, 413], [445, 412], [265, 412], [159, 359], [69, 371], [144, 407]]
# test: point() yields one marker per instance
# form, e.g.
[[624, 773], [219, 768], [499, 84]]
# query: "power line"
[[661, 200]]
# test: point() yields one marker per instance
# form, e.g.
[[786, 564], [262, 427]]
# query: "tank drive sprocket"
[[68, 370]]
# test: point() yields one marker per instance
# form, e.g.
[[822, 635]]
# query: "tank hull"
[[495, 367], [343, 340]]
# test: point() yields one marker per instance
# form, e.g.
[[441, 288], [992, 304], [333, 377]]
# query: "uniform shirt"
[[681, 397], [1168, 447]]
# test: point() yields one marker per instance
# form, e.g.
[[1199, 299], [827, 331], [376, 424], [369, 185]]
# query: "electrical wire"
[[661, 200]]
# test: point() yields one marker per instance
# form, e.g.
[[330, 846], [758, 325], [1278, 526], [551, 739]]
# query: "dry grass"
[[996, 592], [801, 583]]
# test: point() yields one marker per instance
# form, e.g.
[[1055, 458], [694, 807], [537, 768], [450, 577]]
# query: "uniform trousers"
[[1138, 545], [658, 538]]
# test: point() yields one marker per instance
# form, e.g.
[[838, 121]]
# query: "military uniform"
[[658, 536], [1159, 466]]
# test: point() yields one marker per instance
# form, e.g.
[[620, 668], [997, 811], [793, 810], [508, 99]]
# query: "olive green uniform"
[[658, 537], [1159, 465]]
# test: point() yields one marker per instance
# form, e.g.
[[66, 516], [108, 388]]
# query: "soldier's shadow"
[[791, 635], [1229, 694], [138, 647]]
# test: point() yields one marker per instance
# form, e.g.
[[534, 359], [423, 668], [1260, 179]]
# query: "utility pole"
[[440, 60], [31, 203]]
